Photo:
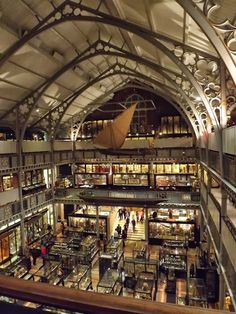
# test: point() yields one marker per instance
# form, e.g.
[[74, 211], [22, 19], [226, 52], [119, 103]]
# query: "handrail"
[[88, 302]]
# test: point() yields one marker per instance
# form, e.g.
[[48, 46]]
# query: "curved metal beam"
[[97, 48], [71, 11], [58, 112]]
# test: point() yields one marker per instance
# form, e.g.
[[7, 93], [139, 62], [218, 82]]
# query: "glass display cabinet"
[[17, 269], [84, 251], [145, 286], [115, 249], [172, 215], [89, 248], [79, 278], [109, 284], [174, 259], [197, 293], [131, 174], [36, 227], [135, 267], [48, 273], [130, 179], [172, 224], [140, 251], [170, 231], [174, 176], [92, 174], [87, 224]]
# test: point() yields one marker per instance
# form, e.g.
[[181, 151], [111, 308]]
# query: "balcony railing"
[[88, 302]]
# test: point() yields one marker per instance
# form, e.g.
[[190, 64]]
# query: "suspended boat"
[[113, 136]]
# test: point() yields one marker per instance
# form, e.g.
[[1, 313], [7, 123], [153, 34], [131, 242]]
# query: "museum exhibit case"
[[145, 287], [136, 266], [8, 182], [79, 278], [10, 242], [172, 224], [36, 226], [174, 176], [92, 174], [75, 251], [174, 259], [16, 269], [115, 249], [110, 283], [83, 220], [33, 181], [48, 273], [130, 174], [197, 294], [174, 125], [140, 251]]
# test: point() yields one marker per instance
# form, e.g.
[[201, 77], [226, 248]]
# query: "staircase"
[[138, 234]]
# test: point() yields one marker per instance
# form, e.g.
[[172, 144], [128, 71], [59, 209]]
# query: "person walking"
[[104, 244], [35, 254], [43, 253], [27, 262], [62, 228], [124, 236], [116, 235], [118, 228], [61, 276], [133, 224], [120, 212]]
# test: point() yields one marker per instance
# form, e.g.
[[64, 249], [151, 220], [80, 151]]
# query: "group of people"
[[121, 233], [124, 214]]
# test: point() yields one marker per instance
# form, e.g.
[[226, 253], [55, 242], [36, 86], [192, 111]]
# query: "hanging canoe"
[[114, 134]]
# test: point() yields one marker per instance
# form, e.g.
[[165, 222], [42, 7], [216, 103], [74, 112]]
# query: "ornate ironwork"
[[56, 114], [70, 10], [216, 19]]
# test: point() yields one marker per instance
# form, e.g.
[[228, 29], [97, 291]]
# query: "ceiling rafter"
[[53, 118], [69, 5]]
